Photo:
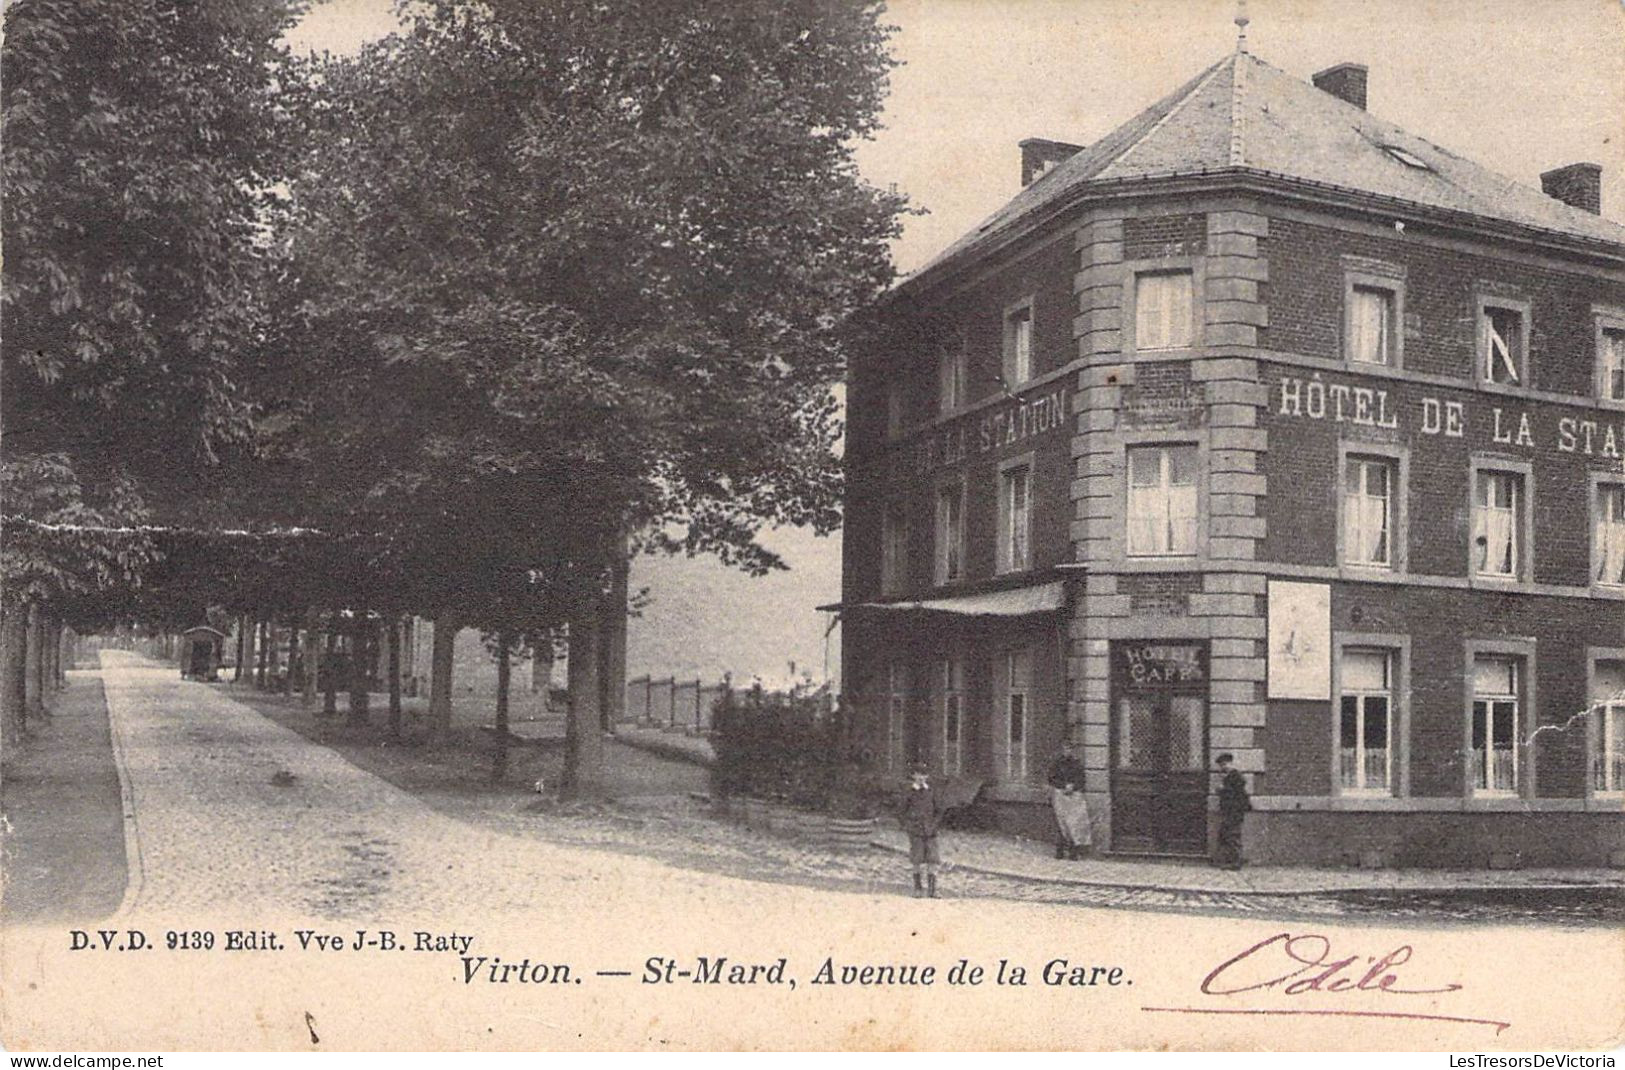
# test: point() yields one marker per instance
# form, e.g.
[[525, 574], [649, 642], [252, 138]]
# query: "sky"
[[1520, 86]]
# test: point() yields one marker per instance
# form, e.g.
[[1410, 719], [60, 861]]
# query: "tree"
[[141, 143], [582, 266]]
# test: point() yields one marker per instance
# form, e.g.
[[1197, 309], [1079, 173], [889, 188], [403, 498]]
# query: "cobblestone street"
[[233, 808]]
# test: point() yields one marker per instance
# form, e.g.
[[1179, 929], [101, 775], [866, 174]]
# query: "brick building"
[[1258, 426]]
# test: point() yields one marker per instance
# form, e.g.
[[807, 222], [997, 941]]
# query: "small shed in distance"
[[200, 652]]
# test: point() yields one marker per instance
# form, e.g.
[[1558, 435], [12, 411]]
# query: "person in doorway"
[[1071, 810], [921, 817], [1233, 806]]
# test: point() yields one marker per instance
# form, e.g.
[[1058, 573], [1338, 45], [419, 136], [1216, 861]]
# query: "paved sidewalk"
[[1025, 859]]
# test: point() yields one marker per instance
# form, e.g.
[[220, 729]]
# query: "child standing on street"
[[920, 818]]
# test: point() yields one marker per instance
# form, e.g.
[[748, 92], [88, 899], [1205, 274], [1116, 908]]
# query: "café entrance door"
[[1159, 747]]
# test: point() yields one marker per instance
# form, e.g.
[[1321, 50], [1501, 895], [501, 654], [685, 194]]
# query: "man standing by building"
[[1233, 806], [1067, 800], [921, 816]]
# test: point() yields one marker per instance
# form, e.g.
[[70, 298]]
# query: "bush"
[[774, 746]]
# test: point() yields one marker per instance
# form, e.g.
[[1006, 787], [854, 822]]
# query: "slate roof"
[[1243, 116]]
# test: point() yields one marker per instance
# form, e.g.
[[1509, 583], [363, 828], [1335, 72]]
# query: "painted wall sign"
[[1507, 424], [1003, 425], [1300, 640], [1184, 406], [1154, 665]]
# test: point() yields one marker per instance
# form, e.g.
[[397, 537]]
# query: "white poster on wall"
[[1300, 639]]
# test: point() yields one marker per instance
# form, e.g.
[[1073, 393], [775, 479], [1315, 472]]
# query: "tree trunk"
[[359, 707], [330, 685], [541, 667], [34, 702], [499, 763], [293, 657], [311, 659], [612, 648], [445, 649], [583, 734], [262, 640], [13, 671], [242, 647], [394, 625]]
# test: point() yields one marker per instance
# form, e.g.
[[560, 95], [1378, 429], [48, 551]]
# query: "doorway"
[[1159, 747]]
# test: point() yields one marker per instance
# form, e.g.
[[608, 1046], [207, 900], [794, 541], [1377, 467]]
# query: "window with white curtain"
[[1612, 359], [1018, 346], [950, 533], [1496, 747], [1371, 325], [1162, 310], [1161, 506], [1608, 536], [1368, 497], [1607, 728], [1365, 725], [1015, 519], [1503, 340], [951, 380], [1017, 680], [894, 550], [1497, 524]]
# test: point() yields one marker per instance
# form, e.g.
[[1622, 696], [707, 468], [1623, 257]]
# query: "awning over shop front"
[[1018, 602]]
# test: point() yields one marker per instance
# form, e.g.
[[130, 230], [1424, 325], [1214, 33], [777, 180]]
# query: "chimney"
[[1346, 82], [1579, 185], [1039, 155]]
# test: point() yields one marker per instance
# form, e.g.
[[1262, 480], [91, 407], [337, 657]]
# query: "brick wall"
[[1305, 296]]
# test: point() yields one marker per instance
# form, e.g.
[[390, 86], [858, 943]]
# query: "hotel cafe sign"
[[1508, 424]]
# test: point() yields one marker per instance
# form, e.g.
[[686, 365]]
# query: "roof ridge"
[[1238, 90], [1193, 88]]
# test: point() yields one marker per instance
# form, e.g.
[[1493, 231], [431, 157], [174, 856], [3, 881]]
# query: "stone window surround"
[[1375, 276], [1398, 647], [1117, 530], [1596, 480], [1522, 649], [1029, 461], [1132, 270], [1399, 456], [1481, 339], [1525, 571], [1594, 654]]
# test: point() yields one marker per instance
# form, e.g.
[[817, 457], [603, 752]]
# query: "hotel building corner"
[[1258, 426]]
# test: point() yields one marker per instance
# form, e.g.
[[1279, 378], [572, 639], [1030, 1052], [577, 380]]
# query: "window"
[[896, 416], [1365, 721], [896, 712], [1502, 344], [1018, 345], [1497, 524], [950, 533], [1607, 729], [1162, 310], [1495, 755], [894, 551], [1161, 500], [1018, 671], [951, 380], [953, 715], [1015, 518], [1611, 364], [1608, 540], [1368, 495], [1371, 331]]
